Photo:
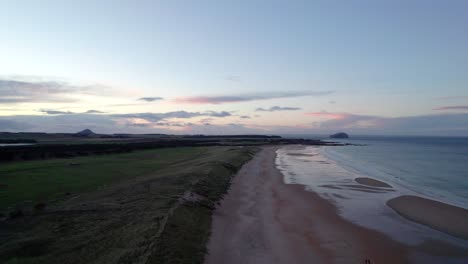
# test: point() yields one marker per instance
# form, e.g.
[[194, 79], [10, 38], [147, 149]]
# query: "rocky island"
[[339, 135]]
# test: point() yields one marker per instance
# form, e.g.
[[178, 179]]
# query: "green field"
[[44, 180], [149, 206]]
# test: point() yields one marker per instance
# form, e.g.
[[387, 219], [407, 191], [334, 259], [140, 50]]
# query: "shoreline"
[[412, 211], [264, 220]]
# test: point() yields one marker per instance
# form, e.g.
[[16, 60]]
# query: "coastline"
[[264, 220]]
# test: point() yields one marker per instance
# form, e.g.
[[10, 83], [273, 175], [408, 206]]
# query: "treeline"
[[33, 152], [17, 141], [39, 151]]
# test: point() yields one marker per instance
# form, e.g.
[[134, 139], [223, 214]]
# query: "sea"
[[431, 167]]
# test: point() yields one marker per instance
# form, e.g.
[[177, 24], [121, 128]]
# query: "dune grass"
[[45, 180], [143, 207]]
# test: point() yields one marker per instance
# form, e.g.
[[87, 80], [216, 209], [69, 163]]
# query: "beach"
[[444, 217], [264, 220]]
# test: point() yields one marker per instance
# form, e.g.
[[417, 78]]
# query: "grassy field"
[[45, 180], [150, 206]]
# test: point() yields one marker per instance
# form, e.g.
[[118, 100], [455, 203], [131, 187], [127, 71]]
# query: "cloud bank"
[[92, 111], [277, 108]]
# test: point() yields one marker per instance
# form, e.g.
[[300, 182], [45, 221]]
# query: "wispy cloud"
[[206, 120], [233, 78], [60, 112], [244, 117], [149, 117], [245, 97], [21, 91], [156, 117], [346, 120], [462, 97], [328, 115], [55, 112], [150, 99], [12, 91], [277, 108], [92, 111], [217, 114], [160, 124], [452, 107]]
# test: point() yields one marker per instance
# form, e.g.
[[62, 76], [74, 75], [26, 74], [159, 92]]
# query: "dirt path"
[[262, 220]]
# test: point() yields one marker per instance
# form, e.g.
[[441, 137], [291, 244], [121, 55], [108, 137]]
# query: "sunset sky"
[[228, 67]]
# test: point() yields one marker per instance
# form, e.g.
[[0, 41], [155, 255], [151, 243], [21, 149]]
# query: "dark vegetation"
[[93, 198], [15, 141], [47, 151], [30, 182], [150, 206], [87, 142]]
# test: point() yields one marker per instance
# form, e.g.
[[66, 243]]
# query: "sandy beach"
[[263, 220], [443, 217]]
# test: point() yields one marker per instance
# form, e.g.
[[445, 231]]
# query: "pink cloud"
[[453, 107]]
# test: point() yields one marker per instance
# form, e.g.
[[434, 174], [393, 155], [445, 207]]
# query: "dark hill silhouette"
[[85, 133], [339, 135]]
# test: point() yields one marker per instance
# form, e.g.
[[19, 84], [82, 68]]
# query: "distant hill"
[[340, 135], [85, 133]]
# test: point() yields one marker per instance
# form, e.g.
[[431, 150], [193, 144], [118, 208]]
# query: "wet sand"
[[443, 217], [263, 220]]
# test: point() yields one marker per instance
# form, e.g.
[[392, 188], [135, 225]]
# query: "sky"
[[231, 67]]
